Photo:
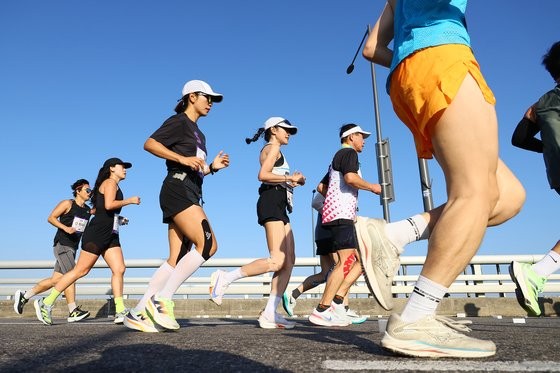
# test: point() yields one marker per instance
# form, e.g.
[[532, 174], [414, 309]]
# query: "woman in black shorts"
[[101, 237], [275, 198], [181, 143]]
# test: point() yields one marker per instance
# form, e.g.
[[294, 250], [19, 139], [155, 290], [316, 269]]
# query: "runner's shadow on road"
[[366, 341]]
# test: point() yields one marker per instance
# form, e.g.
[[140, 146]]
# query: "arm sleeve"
[[524, 136]]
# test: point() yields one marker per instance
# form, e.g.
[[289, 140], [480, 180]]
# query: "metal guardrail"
[[486, 275]]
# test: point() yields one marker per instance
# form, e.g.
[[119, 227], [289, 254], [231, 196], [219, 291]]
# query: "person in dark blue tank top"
[[101, 237], [70, 217]]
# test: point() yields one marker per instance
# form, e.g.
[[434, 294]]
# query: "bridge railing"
[[486, 275]]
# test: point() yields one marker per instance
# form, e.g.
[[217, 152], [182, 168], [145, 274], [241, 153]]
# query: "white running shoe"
[[139, 321], [289, 303], [380, 258], [340, 311], [434, 336], [218, 286], [327, 318], [160, 310], [278, 323], [354, 317]]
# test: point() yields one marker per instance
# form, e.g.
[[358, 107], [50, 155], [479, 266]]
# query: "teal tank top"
[[423, 24]]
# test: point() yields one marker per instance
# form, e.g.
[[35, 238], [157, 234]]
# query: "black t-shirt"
[[345, 160], [181, 135]]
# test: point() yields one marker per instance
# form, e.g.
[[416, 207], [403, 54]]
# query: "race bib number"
[[116, 224], [79, 224], [290, 197]]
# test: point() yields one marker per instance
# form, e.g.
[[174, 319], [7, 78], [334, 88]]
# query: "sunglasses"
[[208, 97], [88, 190]]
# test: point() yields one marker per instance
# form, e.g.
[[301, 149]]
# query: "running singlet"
[[341, 200], [423, 24], [181, 135], [76, 217], [281, 168], [105, 222]]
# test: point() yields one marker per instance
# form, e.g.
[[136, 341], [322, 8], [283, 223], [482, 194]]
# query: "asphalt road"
[[239, 345]]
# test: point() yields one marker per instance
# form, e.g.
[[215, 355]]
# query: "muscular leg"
[[465, 141], [337, 277]]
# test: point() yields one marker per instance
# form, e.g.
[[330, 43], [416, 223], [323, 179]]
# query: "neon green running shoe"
[[529, 285]]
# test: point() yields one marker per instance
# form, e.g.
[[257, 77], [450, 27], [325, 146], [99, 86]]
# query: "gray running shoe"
[[119, 317], [434, 336], [43, 312], [19, 301], [379, 257]]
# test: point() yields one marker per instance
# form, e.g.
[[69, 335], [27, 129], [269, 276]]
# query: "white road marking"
[[405, 364]]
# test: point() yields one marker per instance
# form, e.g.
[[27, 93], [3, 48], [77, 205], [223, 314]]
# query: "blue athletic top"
[[423, 24]]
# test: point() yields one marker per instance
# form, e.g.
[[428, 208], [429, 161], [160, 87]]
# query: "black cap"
[[115, 161]]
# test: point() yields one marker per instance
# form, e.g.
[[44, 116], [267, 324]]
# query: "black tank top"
[[103, 216], [67, 219]]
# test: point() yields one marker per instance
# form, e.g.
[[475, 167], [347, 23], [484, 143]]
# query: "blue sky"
[[84, 81]]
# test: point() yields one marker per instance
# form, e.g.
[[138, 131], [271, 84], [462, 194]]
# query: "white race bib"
[[79, 224], [116, 224]]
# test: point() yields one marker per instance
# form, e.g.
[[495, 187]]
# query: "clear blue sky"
[[84, 81]]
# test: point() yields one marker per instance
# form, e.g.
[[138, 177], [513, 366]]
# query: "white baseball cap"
[[281, 122], [356, 129], [193, 86]]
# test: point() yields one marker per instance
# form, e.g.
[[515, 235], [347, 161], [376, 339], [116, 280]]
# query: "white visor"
[[356, 129]]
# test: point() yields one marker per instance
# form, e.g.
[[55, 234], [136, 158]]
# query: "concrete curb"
[[191, 308]]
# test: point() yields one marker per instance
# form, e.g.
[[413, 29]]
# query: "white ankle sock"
[[424, 300], [156, 283], [71, 306], [408, 230], [29, 293], [547, 265], [183, 270], [234, 275]]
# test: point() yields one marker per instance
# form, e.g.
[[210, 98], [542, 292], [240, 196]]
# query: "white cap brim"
[[281, 122], [356, 129]]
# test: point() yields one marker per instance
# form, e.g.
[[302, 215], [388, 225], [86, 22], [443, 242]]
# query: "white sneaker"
[[340, 311], [160, 310], [380, 258], [218, 286], [140, 321], [119, 316], [354, 317], [289, 303], [434, 336], [327, 318], [278, 323]]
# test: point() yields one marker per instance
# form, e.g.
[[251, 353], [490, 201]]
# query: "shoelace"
[[457, 325]]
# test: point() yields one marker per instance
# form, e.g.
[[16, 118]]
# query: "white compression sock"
[[272, 305], [184, 269], [408, 230], [547, 265], [156, 283], [424, 300], [234, 275]]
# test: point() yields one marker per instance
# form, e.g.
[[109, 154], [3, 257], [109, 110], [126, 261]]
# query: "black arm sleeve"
[[524, 136]]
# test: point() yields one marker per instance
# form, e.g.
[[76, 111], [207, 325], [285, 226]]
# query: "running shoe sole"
[[365, 251], [131, 323]]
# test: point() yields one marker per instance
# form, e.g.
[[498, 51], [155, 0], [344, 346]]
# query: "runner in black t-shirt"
[[183, 146]]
